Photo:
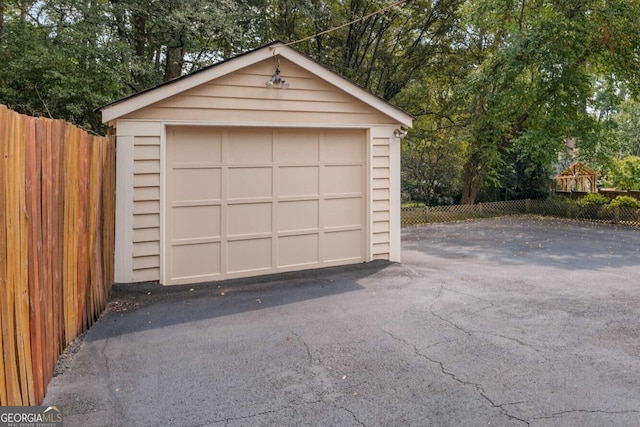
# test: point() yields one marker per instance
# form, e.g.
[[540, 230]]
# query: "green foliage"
[[625, 202], [593, 199], [532, 76], [497, 86], [624, 174], [432, 154], [56, 74], [627, 130], [431, 165], [64, 58]]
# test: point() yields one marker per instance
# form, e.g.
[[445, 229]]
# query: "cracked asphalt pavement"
[[517, 321]]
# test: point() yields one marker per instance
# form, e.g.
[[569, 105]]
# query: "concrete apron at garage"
[[510, 321]]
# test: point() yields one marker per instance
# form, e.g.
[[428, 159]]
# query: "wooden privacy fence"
[[563, 208], [57, 204]]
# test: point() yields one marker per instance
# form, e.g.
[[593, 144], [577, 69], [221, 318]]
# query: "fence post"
[[616, 215], [527, 206]]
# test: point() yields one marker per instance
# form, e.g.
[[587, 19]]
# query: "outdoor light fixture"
[[277, 81], [400, 133]]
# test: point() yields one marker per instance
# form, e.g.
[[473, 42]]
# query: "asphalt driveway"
[[503, 322]]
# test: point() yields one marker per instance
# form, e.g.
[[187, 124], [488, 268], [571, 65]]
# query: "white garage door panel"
[[250, 147], [249, 218], [298, 181], [294, 148], [246, 202], [200, 260], [343, 179], [343, 212], [300, 215], [249, 255], [201, 146], [194, 222], [192, 184], [298, 250], [343, 245], [249, 183], [343, 146]]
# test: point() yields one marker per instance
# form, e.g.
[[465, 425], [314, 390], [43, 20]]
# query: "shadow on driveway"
[[150, 305]]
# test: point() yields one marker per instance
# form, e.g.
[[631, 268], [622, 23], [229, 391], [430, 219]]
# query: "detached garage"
[[264, 163]]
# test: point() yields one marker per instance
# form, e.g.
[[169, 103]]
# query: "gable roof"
[[577, 169], [163, 91]]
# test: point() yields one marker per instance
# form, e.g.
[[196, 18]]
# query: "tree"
[[431, 163], [531, 77], [163, 39], [627, 132], [381, 53], [433, 151], [54, 63], [64, 58], [624, 174]]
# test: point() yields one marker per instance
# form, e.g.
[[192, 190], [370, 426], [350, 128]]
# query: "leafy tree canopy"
[[497, 86], [624, 174]]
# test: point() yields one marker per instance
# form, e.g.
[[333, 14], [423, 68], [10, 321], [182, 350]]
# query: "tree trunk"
[[140, 34], [175, 60], [472, 179]]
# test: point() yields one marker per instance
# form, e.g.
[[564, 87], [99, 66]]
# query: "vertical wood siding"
[[57, 187]]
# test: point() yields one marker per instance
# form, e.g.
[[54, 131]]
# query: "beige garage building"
[[238, 170]]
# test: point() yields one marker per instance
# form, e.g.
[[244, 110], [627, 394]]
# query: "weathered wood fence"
[[57, 203]]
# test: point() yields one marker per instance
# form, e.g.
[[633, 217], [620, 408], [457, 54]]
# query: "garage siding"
[[243, 97], [146, 209], [380, 199]]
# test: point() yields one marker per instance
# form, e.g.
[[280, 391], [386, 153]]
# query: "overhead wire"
[[382, 10]]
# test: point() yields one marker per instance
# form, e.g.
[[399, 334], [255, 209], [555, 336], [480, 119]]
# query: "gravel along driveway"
[[511, 321]]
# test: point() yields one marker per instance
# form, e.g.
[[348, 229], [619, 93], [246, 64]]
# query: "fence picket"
[[6, 365], [34, 260], [56, 255]]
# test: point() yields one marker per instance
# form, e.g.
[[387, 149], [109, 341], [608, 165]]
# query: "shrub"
[[625, 202], [593, 199]]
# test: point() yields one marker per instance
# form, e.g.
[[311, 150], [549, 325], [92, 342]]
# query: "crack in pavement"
[[587, 411], [246, 417], [449, 322], [301, 341], [291, 406], [472, 332], [469, 295], [478, 387], [352, 414], [516, 340], [311, 360]]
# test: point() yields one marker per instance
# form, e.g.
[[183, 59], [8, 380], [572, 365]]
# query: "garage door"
[[248, 202]]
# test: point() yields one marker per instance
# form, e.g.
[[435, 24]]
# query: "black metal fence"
[[563, 208]]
